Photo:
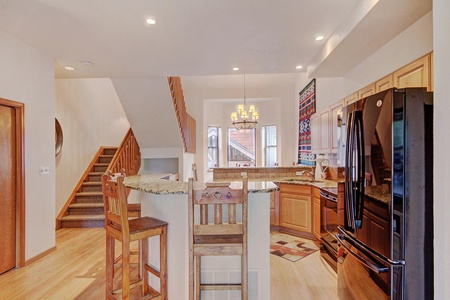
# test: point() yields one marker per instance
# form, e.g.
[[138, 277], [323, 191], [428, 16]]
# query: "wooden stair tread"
[[96, 173], [86, 194], [83, 217], [95, 183], [88, 205], [101, 164]]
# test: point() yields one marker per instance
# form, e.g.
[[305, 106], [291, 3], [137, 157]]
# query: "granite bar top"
[[158, 184], [380, 193]]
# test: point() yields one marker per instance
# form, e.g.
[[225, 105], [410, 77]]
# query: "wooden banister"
[[127, 157], [186, 123]]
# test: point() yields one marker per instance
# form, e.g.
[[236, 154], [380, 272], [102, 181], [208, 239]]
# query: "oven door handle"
[[362, 260]]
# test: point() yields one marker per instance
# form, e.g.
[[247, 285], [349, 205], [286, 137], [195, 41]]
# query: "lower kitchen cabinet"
[[316, 213], [275, 209], [295, 208]]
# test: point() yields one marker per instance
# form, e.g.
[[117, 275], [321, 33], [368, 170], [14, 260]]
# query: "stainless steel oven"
[[329, 245]]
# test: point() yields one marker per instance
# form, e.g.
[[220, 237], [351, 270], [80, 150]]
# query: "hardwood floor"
[[76, 270]]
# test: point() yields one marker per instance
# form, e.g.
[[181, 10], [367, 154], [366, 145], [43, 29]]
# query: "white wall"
[[201, 105], [441, 44], [27, 76], [91, 116]]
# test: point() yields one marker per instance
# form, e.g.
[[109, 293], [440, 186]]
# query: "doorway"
[[12, 201]]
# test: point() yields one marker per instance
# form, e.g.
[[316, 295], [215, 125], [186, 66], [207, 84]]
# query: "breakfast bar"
[[168, 200]]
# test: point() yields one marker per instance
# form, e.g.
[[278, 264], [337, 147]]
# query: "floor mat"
[[290, 247]]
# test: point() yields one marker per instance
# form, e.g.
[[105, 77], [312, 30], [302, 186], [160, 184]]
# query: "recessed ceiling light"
[[235, 69], [319, 37], [151, 21], [70, 68], [299, 67]]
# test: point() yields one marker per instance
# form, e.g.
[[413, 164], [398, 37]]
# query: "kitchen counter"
[[167, 200], [380, 193], [157, 184]]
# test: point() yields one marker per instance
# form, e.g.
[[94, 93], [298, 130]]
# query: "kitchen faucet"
[[306, 173]]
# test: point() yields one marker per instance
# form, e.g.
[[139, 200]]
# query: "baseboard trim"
[[39, 256]]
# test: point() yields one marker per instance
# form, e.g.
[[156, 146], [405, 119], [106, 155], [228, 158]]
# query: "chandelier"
[[243, 118]]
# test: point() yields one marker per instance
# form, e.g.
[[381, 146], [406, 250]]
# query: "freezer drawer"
[[362, 274]]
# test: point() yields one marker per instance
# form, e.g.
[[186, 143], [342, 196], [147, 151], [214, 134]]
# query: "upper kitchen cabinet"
[[351, 98], [366, 91], [320, 132], [324, 130], [416, 74], [336, 118], [384, 83]]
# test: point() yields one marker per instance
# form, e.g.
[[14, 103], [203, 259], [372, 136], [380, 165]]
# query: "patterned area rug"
[[291, 247]]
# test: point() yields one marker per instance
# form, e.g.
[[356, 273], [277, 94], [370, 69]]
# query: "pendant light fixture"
[[243, 118]]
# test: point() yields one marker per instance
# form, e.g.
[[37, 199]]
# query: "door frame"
[[20, 179]]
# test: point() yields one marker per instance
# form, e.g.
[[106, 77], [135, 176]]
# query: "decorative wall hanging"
[[307, 107], [58, 137]]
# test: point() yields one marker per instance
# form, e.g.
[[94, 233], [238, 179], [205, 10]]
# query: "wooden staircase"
[[84, 208], [87, 209]]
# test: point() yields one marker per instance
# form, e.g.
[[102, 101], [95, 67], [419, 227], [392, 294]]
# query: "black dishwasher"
[[329, 215]]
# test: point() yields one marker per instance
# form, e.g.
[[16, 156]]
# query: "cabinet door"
[[274, 208], [325, 131], [416, 74], [384, 83], [379, 235], [295, 212], [336, 113], [351, 98], [317, 218], [366, 91], [315, 133]]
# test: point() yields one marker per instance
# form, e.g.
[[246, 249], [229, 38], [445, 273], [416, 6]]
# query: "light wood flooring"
[[76, 271]]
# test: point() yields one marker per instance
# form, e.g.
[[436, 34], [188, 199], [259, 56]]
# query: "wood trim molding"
[[20, 179], [39, 256]]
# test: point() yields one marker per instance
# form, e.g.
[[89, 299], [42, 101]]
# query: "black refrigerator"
[[385, 239]]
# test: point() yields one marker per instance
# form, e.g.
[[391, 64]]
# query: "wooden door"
[[8, 194]]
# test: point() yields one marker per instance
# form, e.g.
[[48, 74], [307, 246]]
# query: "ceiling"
[[204, 37]]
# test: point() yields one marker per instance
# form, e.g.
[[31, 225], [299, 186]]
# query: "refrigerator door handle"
[[360, 156], [371, 265], [349, 171]]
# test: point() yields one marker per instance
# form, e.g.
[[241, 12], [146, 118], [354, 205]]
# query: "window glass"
[[270, 145], [241, 147], [213, 147]]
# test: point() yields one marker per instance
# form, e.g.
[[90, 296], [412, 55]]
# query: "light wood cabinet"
[[275, 208], [335, 111], [351, 98], [316, 213], [320, 132], [295, 207], [416, 74], [315, 133], [384, 83], [325, 131], [366, 91]]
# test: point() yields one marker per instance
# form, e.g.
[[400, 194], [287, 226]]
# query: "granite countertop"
[[157, 184], [379, 192]]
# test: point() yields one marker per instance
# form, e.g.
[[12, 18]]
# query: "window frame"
[[266, 147]]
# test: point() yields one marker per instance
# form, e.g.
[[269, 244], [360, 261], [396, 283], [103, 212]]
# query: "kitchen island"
[[168, 200]]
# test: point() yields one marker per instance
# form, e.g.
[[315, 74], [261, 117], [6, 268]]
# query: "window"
[[241, 147], [213, 147], [270, 145]]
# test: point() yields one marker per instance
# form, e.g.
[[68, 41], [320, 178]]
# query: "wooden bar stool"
[[223, 237], [120, 227]]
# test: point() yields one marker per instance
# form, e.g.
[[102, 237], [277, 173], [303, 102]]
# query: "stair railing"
[[186, 123], [127, 157]]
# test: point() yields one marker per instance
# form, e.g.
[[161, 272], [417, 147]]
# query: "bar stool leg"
[[197, 277], [126, 270], [110, 243], [144, 256], [163, 262]]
